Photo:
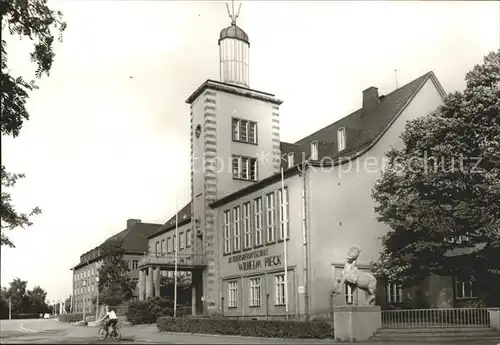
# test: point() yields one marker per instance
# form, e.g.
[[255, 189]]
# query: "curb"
[[328, 340]]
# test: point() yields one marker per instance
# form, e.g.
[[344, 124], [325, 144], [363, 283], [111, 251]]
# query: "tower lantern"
[[234, 52]]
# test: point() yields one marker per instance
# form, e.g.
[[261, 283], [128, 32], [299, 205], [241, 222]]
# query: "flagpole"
[[285, 236], [176, 250]]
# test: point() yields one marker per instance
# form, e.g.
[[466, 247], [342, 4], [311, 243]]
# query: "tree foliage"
[[440, 193], [115, 286], [34, 20], [24, 301]]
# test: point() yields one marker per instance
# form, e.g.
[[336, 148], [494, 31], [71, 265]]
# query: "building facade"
[[253, 198], [86, 272]]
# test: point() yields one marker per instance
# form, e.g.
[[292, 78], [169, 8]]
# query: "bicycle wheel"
[[117, 335], [102, 333]]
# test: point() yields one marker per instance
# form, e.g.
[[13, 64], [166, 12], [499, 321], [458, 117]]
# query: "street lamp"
[[97, 302], [84, 297]]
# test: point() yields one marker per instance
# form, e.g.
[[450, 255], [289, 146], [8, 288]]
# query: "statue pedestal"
[[356, 323]]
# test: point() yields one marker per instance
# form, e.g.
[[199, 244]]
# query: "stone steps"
[[453, 335]]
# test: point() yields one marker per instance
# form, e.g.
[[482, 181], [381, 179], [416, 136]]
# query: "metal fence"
[[436, 318]]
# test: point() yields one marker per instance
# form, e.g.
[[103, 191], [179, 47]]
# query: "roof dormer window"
[[341, 142], [290, 159], [314, 150]]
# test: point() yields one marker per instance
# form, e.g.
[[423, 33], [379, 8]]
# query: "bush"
[[71, 317], [146, 312], [251, 328]]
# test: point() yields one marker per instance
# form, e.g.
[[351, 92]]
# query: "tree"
[[440, 193], [35, 20], [37, 298], [23, 300], [184, 284], [115, 286], [67, 304]]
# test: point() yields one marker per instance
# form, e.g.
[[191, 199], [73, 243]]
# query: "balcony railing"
[[436, 318], [184, 260]]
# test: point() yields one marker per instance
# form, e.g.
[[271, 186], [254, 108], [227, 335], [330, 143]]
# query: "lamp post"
[[10, 308], [84, 297], [97, 302]]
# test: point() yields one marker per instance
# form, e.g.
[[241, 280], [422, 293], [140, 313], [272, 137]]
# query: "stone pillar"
[[356, 323], [157, 280], [494, 318], [142, 284], [149, 283], [193, 300]]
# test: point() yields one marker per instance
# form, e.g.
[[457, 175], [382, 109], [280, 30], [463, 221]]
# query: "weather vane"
[[231, 14]]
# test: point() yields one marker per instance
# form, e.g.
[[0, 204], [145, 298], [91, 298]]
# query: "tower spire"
[[232, 15]]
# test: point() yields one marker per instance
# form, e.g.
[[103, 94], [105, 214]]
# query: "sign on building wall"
[[255, 260]]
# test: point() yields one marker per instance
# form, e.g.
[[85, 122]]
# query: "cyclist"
[[112, 319]]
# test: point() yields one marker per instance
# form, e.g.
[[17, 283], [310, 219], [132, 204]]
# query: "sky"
[[108, 136]]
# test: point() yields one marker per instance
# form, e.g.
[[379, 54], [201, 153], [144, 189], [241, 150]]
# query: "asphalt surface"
[[52, 331]]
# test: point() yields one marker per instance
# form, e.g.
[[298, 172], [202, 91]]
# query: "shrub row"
[[252, 328], [71, 317], [146, 312], [4, 316]]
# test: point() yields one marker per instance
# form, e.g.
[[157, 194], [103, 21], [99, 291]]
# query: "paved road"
[[52, 331]]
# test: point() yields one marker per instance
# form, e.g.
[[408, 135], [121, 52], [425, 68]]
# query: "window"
[[232, 294], [169, 244], [394, 293], [135, 264], [341, 139], [188, 238], [290, 160], [283, 214], [252, 132], [92, 269], [157, 247], [237, 230], [245, 168], [254, 292], [247, 232], [92, 287], [236, 129], [244, 131], [271, 215], [314, 150], [174, 243], [465, 288], [162, 248], [227, 232], [349, 294], [258, 221], [279, 291], [181, 240]]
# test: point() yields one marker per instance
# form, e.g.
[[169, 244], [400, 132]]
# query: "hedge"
[[71, 317], [251, 328], [22, 316], [146, 312]]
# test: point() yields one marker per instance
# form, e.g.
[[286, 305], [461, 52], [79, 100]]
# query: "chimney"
[[132, 222], [370, 98]]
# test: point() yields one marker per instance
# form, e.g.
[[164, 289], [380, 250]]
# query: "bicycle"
[[103, 333]]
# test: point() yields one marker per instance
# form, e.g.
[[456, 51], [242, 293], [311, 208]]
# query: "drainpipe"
[[305, 242]]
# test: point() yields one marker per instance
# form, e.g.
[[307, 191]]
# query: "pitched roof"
[[183, 217], [134, 240], [362, 127]]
